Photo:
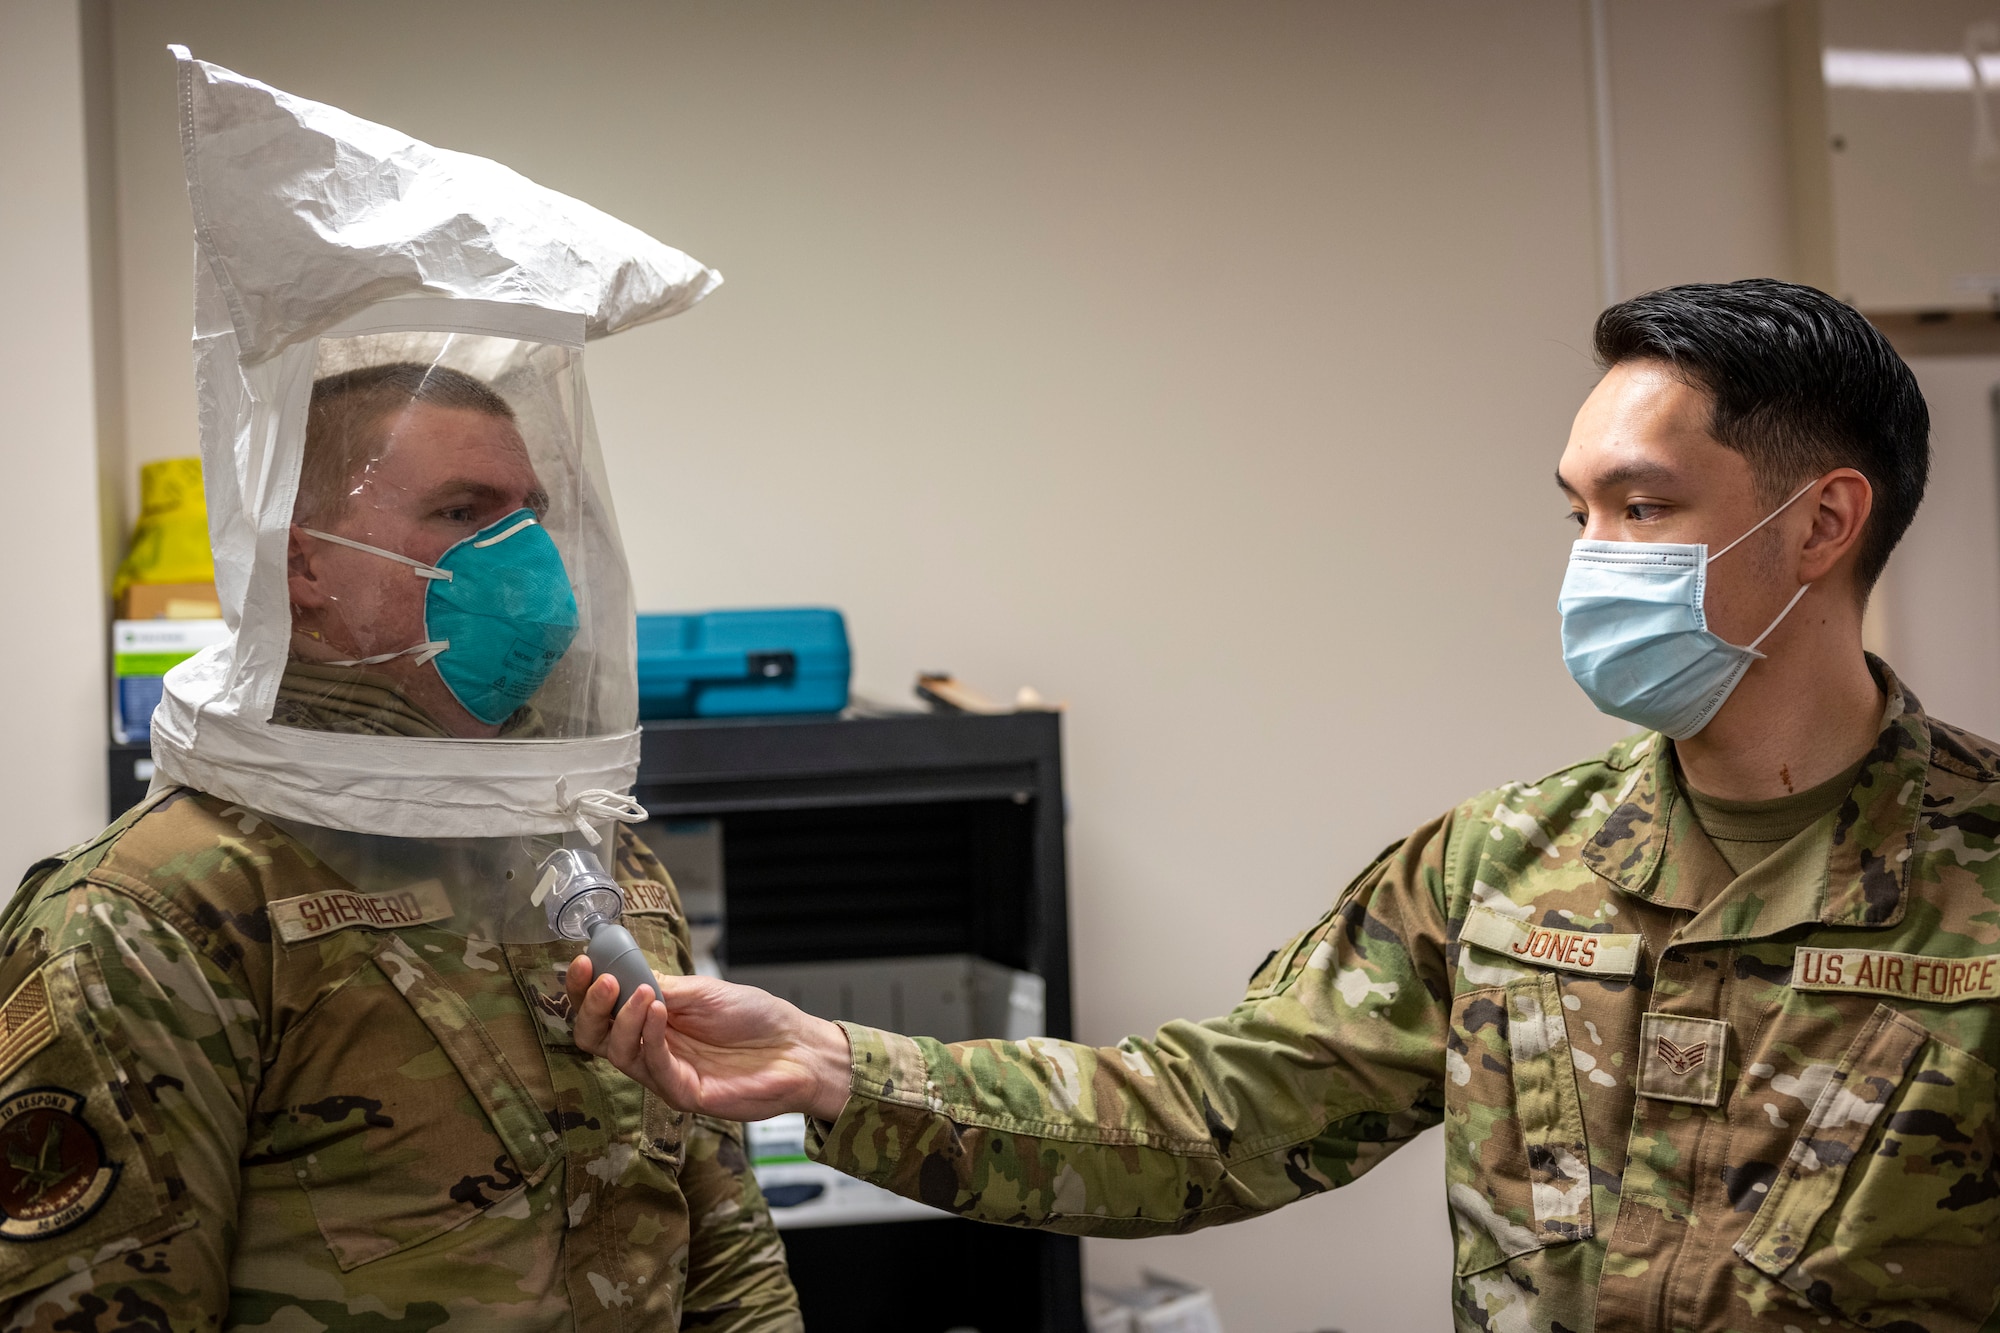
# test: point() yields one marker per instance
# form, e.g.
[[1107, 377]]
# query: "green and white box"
[[142, 652]]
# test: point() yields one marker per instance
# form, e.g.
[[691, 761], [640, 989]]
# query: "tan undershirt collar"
[[1746, 832]]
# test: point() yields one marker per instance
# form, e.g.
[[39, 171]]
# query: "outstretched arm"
[[1334, 1058]]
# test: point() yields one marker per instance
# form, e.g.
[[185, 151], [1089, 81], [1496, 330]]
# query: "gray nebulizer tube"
[[612, 949], [584, 903]]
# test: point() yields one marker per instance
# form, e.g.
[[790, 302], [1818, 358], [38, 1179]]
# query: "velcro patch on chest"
[[27, 1024], [312, 915], [648, 897], [1583, 951], [1906, 976], [1681, 1059]]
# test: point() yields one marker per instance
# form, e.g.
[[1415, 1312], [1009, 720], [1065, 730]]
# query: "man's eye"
[[1639, 513], [457, 514], [1578, 517]]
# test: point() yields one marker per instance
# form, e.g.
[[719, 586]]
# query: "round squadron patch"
[[53, 1175]]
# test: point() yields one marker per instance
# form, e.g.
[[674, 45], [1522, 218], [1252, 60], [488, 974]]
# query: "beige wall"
[[1699, 109], [1942, 587], [1203, 365], [52, 666]]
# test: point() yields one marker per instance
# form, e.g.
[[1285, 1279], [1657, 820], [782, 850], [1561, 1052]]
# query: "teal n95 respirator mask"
[[1635, 631], [498, 614]]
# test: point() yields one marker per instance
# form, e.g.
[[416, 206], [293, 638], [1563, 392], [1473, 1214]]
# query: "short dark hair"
[[1802, 384], [345, 408]]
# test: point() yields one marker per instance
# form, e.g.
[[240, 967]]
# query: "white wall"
[[1203, 365], [52, 784]]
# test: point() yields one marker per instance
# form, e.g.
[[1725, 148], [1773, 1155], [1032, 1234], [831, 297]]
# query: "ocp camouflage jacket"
[[236, 1092], [1673, 1098]]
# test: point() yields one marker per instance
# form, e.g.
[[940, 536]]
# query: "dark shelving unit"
[[894, 837]]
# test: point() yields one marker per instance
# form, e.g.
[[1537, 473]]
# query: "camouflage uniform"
[[1673, 1098], [234, 1091]]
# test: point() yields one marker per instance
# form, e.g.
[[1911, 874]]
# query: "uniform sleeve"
[[1335, 1058], [736, 1281], [126, 1071]]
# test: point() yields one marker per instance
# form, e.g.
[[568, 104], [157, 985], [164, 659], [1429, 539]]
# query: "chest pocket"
[[401, 1130], [590, 1095], [1887, 1209], [1516, 1166]]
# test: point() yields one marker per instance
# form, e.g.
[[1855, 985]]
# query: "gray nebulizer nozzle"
[[584, 903]]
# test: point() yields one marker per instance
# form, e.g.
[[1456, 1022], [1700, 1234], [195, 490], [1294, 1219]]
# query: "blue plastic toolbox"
[[743, 663]]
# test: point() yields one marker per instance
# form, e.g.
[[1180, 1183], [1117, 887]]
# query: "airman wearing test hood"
[[287, 1045]]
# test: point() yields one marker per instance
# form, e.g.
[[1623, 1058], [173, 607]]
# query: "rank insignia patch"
[[1682, 1062], [53, 1174], [1681, 1059]]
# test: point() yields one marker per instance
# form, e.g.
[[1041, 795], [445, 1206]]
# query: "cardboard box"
[[169, 601]]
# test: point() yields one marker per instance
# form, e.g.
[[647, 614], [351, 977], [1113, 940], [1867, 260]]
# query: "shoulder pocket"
[[1888, 1206], [1517, 1167], [79, 1172], [1282, 968]]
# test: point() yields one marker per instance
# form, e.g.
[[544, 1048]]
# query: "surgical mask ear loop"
[[1719, 554], [1797, 597], [1804, 588]]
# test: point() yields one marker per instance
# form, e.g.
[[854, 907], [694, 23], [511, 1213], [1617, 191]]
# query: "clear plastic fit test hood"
[[320, 236]]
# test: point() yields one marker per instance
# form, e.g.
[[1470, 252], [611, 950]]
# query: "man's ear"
[[1839, 517], [307, 592]]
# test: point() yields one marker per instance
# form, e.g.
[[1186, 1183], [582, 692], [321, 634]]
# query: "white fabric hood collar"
[[312, 227]]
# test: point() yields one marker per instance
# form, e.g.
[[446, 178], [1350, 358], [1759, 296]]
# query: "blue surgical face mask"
[[498, 614], [1636, 636]]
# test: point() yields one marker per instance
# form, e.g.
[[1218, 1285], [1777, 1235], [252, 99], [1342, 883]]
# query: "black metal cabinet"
[[886, 837], [131, 774]]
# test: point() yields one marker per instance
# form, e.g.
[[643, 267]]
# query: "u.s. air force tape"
[[1906, 976], [1586, 951], [311, 915], [648, 897]]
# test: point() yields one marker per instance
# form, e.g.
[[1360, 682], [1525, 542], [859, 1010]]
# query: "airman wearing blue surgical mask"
[[1710, 1020], [1696, 560]]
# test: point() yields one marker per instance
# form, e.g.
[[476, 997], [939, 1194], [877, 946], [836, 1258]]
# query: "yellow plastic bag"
[[170, 540]]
